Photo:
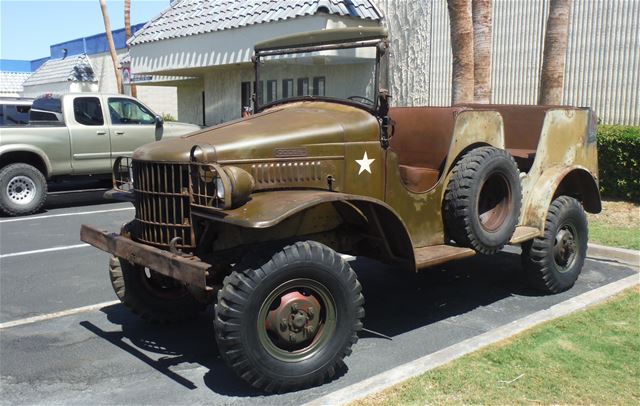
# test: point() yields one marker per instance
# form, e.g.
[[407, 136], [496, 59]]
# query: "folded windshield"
[[345, 74]]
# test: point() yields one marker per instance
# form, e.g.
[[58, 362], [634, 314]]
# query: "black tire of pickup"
[[150, 295], [483, 200], [23, 189], [553, 262], [285, 321]]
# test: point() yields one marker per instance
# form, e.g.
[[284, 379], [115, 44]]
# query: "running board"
[[523, 234], [439, 254]]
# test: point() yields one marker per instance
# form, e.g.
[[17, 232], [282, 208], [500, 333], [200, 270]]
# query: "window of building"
[[318, 86], [87, 111], [129, 112], [287, 88], [303, 86], [272, 90]]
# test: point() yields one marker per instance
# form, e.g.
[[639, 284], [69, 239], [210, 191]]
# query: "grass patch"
[[617, 225], [590, 357]]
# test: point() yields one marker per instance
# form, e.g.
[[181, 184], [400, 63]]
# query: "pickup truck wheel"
[[151, 295], [23, 189], [483, 200], [287, 321], [553, 262]]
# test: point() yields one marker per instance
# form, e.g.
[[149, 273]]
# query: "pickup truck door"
[[132, 125], [90, 145]]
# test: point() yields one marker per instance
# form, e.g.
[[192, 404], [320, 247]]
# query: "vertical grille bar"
[[162, 204]]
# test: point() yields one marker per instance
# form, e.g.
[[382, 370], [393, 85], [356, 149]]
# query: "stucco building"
[[205, 47]]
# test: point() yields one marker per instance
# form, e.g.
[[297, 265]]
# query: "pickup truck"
[[251, 215], [70, 135]]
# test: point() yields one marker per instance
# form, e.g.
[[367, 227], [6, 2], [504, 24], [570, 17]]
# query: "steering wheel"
[[361, 99]]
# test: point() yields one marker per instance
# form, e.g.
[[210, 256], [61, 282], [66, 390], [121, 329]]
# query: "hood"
[[309, 128], [176, 129]]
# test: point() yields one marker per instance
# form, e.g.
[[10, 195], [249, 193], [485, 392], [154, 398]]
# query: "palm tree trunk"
[[127, 34], [481, 11], [462, 49], [555, 53], [112, 47]]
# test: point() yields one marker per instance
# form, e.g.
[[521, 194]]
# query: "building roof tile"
[[75, 69], [192, 17], [11, 82]]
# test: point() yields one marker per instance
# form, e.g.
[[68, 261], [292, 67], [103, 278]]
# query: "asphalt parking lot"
[[108, 356]]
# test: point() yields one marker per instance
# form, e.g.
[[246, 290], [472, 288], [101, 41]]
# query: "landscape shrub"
[[619, 161]]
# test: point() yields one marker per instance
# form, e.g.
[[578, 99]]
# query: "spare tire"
[[483, 200]]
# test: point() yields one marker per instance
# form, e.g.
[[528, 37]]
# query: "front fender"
[[268, 209]]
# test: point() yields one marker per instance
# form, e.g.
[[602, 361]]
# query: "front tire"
[[152, 296], [23, 189], [553, 262], [286, 322]]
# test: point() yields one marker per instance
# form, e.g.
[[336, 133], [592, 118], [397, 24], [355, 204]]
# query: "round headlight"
[[219, 188], [242, 184]]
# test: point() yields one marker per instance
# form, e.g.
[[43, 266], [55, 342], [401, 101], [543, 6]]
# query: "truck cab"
[[75, 134]]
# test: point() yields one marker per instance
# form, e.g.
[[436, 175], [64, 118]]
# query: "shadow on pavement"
[[396, 302]]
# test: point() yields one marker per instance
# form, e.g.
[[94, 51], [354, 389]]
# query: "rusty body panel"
[[566, 147], [423, 211]]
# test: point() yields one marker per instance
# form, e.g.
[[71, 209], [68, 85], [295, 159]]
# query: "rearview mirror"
[[159, 121]]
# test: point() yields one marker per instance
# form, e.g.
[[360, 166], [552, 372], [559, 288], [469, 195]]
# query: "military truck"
[[71, 135], [253, 215]]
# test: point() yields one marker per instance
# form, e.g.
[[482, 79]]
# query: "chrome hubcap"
[[564, 250], [21, 190]]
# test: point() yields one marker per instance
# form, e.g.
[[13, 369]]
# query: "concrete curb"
[[421, 365], [622, 255]]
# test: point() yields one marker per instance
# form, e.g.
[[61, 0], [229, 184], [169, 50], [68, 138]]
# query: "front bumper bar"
[[187, 269]]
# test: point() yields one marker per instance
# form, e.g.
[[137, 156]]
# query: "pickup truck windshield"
[[346, 74]]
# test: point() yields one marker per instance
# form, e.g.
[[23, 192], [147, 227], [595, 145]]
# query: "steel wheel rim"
[[21, 190], [494, 210], [565, 247], [271, 334]]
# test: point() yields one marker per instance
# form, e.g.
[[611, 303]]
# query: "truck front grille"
[[162, 204]]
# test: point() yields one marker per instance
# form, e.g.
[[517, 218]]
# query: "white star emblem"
[[365, 163]]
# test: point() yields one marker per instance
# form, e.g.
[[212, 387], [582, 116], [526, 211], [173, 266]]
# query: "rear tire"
[[553, 262], [23, 189], [150, 295], [287, 321], [483, 200]]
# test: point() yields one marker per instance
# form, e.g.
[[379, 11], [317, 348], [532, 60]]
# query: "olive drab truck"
[[251, 215]]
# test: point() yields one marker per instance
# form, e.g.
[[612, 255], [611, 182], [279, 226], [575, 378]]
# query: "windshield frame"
[[377, 43]]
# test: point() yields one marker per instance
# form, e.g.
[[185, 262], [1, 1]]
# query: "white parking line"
[[64, 215], [55, 315], [67, 247]]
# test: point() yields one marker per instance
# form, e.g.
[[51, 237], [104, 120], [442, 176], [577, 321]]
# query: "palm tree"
[[462, 49], [112, 47], [482, 21], [555, 53], [127, 34]]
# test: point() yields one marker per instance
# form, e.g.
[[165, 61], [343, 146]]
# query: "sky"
[[29, 27]]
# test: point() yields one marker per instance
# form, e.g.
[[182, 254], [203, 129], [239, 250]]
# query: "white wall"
[[190, 104]]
